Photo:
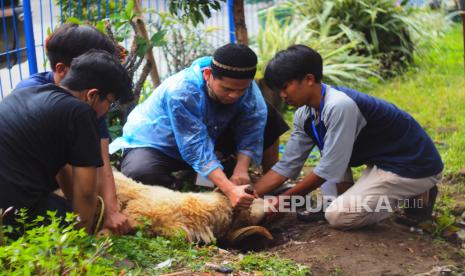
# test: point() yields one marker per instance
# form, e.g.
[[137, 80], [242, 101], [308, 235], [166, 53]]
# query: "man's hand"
[[117, 222], [269, 182], [113, 220], [239, 197], [241, 171], [240, 178], [236, 194]]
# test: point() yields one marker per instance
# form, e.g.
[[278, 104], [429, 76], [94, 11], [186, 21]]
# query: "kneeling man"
[[350, 129]]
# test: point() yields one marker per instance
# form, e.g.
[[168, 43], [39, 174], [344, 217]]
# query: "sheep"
[[204, 217]]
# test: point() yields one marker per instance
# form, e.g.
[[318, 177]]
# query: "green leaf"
[[206, 11], [158, 39], [142, 46], [73, 20], [101, 26], [129, 11]]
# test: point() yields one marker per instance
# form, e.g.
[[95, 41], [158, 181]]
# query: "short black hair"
[[294, 63], [101, 70], [71, 40], [235, 61]]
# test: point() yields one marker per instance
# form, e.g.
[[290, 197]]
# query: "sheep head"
[[203, 217]]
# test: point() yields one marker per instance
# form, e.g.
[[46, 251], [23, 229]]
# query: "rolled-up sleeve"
[[297, 148], [190, 132], [250, 124]]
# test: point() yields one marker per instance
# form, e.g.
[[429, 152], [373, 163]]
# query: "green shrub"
[[388, 30], [341, 63], [55, 248]]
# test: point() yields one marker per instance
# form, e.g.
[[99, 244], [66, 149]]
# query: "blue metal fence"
[[26, 23]]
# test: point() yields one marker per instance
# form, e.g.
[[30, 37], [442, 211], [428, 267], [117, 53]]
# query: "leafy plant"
[[195, 11], [386, 28], [155, 255], [56, 247], [341, 63], [185, 41], [270, 264]]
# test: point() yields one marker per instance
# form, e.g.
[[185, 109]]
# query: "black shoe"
[[309, 216], [414, 213]]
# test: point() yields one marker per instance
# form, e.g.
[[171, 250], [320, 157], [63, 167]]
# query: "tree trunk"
[[239, 22], [138, 20]]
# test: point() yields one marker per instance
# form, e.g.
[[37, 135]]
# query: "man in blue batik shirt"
[[178, 126]]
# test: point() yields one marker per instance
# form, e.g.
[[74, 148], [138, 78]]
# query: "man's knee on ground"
[[338, 220], [346, 220]]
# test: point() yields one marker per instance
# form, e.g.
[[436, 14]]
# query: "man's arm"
[[113, 219], [85, 195], [64, 178], [241, 171], [236, 194], [295, 153], [269, 182], [308, 184]]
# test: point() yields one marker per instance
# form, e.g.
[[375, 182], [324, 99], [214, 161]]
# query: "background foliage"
[[341, 62], [388, 30]]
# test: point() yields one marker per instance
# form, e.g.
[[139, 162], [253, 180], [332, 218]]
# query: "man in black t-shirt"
[[42, 128], [68, 41]]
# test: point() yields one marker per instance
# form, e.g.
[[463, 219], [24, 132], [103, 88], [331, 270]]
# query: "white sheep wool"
[[203, 217]]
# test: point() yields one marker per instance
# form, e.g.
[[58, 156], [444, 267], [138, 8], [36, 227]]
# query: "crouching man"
[[63, 45], [350, 129], [180, 124], [43, 128]]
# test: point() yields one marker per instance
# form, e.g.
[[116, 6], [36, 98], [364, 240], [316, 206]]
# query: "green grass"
[[433, 93], [57, 248], [144, 254], [270, 264]]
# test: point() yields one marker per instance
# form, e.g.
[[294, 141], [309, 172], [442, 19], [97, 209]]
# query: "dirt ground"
[[385, 249]]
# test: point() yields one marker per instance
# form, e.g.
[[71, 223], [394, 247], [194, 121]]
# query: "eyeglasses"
[[113, 104]]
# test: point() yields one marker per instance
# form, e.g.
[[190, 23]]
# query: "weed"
[[270, 264], [337, 271]]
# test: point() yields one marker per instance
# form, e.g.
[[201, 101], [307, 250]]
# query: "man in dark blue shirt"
[[350, 129], [64, 44]]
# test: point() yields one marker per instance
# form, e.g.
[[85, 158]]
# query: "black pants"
[[50, 202], [152, 167]]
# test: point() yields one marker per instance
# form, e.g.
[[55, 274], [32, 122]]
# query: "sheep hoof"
[[239, 234]]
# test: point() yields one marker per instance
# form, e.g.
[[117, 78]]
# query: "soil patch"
[[384, 249]]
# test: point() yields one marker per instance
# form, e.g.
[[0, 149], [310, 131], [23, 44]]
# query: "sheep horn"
[[240, 234]]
